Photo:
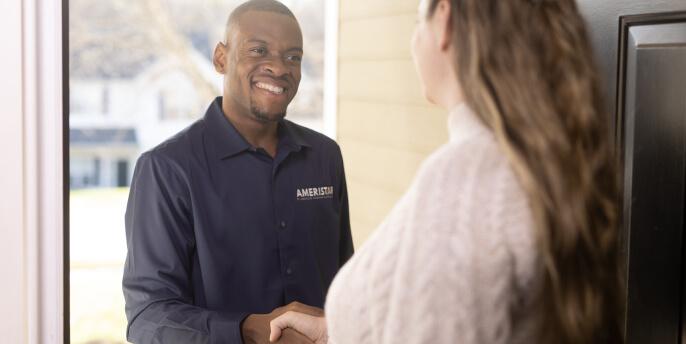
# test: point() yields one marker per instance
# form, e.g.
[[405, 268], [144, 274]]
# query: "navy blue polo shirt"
[[217, 230]]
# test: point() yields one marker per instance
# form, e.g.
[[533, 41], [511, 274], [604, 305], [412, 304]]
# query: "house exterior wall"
[[385, 127]]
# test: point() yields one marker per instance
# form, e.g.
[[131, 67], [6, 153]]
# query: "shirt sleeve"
[[346, 247], [157, 274]]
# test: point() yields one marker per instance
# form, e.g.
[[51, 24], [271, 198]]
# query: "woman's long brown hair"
[[526, 69]]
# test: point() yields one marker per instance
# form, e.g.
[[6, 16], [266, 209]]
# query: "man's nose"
[[275, 66]]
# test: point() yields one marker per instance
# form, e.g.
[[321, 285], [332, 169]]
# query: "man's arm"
[[157, 275]]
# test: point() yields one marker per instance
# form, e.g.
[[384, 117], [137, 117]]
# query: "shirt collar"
[[226, 141], [292, 134], [464, 123]]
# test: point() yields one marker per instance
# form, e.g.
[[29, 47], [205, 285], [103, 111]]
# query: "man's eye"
[[258, 51], [295, 58]]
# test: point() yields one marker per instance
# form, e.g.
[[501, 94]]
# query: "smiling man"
[[243, 215]]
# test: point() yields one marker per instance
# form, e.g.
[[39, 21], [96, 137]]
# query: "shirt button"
[[289, 271], [282, 224]]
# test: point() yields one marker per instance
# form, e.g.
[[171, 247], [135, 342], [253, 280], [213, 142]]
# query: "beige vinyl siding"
[[385, 127]]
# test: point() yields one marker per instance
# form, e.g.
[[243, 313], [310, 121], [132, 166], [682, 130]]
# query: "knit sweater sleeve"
[[467, 235]]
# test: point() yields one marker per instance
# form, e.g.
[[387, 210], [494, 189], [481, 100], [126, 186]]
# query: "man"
[[241, 213]]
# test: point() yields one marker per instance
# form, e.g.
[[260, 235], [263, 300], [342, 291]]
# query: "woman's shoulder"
[[471, 183], [463, 162]]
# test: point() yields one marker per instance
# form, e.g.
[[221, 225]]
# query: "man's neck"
[[258, 134]]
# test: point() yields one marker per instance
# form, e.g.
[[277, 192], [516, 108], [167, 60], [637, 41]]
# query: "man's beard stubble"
[[264, 117]]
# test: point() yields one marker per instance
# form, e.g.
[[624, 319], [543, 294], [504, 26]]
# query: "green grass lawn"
[[97, 253], [97, 306]]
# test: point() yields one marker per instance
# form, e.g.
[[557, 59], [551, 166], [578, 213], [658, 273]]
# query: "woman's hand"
[[313, 327], [255, 329]]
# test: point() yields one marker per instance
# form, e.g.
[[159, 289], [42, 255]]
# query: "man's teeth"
[[270, 88]]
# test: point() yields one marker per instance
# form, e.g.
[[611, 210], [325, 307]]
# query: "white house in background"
[[113, 120]]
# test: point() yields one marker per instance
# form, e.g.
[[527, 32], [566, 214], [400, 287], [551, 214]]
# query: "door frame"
[[39, 195], [625, 23]]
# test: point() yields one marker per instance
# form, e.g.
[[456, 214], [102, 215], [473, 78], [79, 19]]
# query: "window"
[[85, 172], [105, 100]]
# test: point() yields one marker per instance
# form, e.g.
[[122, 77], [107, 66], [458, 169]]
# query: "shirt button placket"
[[282, 226]]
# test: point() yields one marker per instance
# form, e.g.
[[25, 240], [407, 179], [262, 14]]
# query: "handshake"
[[295, 323]]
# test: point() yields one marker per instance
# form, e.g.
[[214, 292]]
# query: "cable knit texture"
[[454, 262]]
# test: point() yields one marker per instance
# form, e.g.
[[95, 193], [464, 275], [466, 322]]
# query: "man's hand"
[[255, 328], [301, 308]]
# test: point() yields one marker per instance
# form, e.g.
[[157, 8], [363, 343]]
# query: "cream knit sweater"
[[454, 261]]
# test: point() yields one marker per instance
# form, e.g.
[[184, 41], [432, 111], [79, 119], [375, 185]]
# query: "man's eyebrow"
[[261, 41], [256, 40]]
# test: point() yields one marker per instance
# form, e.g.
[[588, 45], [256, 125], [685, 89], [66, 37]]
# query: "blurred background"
[[140, 71]]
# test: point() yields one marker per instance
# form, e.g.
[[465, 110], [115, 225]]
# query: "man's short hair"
[[258, 5]]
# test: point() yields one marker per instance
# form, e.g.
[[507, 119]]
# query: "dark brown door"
[[641, 48]]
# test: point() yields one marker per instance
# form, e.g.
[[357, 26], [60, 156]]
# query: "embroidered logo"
[[307, 194]]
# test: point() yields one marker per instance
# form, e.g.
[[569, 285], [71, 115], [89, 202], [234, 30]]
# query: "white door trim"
[[43, 166], [13, 313]]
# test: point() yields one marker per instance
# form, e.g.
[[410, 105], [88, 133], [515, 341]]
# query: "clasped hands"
[[295, 323]]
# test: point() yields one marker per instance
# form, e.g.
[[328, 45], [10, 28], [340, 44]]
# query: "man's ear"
[[443, 21], [219, 58]]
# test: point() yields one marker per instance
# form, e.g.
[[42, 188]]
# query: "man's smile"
[[270, 87]]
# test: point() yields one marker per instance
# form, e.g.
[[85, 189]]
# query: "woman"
[[509, 231]]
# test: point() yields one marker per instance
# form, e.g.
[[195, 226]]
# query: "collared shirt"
[[217, 230]]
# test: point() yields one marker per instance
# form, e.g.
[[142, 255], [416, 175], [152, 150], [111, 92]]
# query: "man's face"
[[261, 68]]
